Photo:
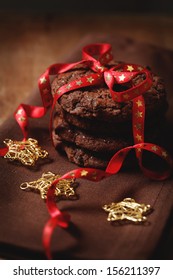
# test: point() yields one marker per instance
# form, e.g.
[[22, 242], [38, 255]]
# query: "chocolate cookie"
[[90, 127], [89, 141], [96, 102], [97, 142], [86, 158], [112, 129], [80, 156]]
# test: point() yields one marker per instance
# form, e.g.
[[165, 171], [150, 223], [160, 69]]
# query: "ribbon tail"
[[61, 220], [117, 160], [47, 236]]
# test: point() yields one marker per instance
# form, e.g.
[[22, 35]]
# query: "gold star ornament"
[[127, 210], [64, 188], [27, 152]]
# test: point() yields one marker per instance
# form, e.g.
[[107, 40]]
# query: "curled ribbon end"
[[63, 219]]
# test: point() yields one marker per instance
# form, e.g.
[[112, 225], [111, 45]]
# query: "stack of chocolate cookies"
[[90, 127]]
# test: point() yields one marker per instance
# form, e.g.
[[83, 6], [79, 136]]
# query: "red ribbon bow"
[[95, 57]]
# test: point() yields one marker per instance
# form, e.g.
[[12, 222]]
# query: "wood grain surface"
[[30, 43]]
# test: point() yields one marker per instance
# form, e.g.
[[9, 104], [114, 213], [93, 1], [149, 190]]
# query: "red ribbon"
[[94, 175], [95, 57]]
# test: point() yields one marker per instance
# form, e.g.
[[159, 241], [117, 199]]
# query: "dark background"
[[89, 6]]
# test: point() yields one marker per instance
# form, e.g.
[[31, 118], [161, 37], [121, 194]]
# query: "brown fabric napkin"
[[90, 236]]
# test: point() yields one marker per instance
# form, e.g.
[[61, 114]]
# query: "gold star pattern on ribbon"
[[154, 148], [94, 175], [84, 173], [59, 91], [138, 126], [68, 86], [130, 68], [138, 137], [164, 154], [20, 111], [78, 83], [22, 119], [108, 77], [121, 78], [127, 210], [43, 80], [27, 152], [139, 103], [140, 68], [101, 68], [64, 188], [72, 174], [139, 114], [126, 96], [90, 80]]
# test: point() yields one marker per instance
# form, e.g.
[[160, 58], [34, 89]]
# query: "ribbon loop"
[[98, 52], [119, 75]]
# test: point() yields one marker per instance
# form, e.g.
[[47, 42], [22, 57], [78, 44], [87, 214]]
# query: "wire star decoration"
[[64, 188], [27, 152], [127, 210]]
